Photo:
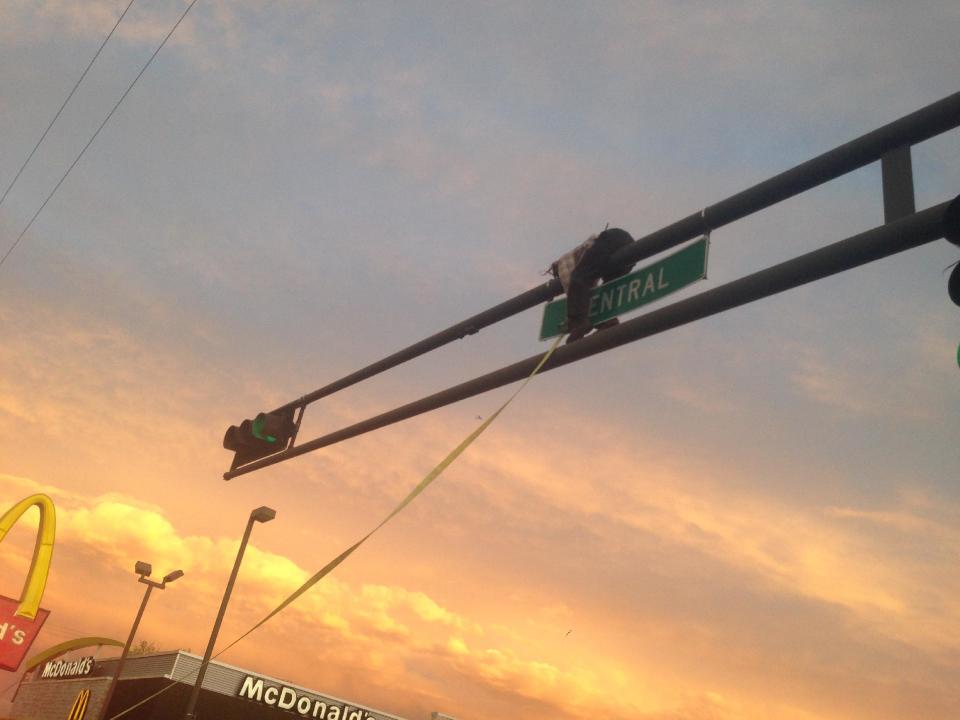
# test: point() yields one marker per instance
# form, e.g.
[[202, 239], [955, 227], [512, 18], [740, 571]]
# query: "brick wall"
[[52, 699]]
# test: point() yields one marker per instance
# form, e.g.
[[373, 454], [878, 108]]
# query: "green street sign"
[[631, 291]]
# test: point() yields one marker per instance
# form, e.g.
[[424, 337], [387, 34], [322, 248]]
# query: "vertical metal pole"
[[896, 169], [126, 649], [195, 693]]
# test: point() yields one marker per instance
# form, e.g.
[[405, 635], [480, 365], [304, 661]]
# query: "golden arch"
[[36, 581], [65, 647]]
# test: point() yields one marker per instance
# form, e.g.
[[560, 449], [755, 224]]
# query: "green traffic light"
[[258, 430]]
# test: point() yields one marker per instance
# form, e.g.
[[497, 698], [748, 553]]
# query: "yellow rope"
[[330, 566]]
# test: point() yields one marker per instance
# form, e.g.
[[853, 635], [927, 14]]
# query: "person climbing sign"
[[580, 270]]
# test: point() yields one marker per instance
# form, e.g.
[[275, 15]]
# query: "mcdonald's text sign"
[[17, 633]]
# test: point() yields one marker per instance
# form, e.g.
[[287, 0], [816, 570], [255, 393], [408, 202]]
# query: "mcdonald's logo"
[[79, 708], [36, 581], [21, 620]]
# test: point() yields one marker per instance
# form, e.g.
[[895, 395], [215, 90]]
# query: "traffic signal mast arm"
[[923, 124], [932, 224], [896, 136]]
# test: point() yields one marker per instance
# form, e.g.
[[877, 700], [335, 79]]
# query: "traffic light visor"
[[270, 426], [953, 284]]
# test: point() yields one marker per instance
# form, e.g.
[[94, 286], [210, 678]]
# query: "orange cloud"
[[810, 552], [389, 629], [489, 625]]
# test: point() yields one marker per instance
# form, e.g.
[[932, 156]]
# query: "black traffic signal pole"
[[923, 124], [912, 231]]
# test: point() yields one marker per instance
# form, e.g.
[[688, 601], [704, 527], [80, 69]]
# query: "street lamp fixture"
[[261, 514], [170, 577], [142, 569]]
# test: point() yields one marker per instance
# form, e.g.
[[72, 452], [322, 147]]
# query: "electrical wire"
[[82, 76], [94, 136]]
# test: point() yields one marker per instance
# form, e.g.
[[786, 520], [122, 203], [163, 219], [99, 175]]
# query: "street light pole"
[[144, 570], [261, 514]]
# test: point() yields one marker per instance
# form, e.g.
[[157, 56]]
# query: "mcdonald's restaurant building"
[[158, 687]]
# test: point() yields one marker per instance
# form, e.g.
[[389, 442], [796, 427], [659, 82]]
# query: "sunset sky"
[[753, 516]]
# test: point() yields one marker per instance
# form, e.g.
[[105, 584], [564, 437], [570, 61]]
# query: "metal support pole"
[[258, 515], [896, 170], [470, 326], [939, 221], [920, 125], [126, 650]]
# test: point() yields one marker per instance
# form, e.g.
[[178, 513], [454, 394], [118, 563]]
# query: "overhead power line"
[[97, 132], [82, 76]]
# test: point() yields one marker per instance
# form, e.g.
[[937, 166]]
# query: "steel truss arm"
[[904, 234], [923, 124]]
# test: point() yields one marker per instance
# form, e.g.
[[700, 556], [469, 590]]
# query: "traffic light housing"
[[266, 434], [951, 231], [953, 284]]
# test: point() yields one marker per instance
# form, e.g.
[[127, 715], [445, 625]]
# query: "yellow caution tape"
[[330, 566], [421, 486]]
